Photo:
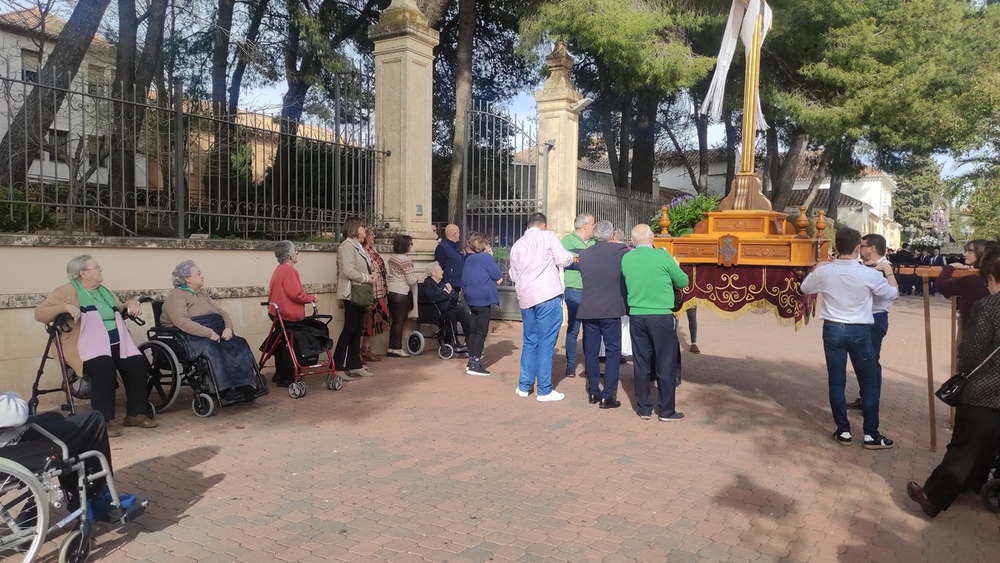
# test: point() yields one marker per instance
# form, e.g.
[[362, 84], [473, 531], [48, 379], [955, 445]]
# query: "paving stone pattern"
[[425, 463]]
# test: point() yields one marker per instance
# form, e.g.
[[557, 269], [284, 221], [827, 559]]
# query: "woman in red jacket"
[[968, 289]]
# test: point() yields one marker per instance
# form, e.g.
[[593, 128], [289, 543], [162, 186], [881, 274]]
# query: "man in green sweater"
[[649, 274], [574, 242]]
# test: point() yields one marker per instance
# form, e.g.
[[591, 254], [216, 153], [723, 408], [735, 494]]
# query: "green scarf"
[[105, 304], [186, 288]]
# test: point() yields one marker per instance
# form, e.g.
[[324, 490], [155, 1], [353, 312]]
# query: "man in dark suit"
[[602, 306], [903, 257]]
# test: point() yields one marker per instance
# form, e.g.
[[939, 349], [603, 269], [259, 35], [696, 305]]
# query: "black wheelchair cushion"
[[32, 454]]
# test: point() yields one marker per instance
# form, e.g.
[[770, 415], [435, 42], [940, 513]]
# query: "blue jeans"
[[540, 330], [573, 297], [841, 341], [879, 329]]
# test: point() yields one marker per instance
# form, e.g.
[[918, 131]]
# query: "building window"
[[58, 146], [29, 65], [97, 150], [96, 84]]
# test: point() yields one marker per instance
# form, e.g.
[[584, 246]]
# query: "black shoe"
[[475, 368], [463, 349], [232, 396], [282, 382], [855, 405], [645, 416], [611, 403], [877, 442], [593, 398], [842, 438], [570, 372], [672, 418]]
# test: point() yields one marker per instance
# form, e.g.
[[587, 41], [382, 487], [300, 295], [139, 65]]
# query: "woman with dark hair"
[[968, 289], [976, 434], [99, 345], [377, 316], [480, 278], [401, 279], [354, 266]]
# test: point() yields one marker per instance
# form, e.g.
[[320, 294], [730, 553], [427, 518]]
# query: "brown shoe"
[[114, 428], [694, 349], [855, 405], [366, 355], [916, 493], [141, 420]]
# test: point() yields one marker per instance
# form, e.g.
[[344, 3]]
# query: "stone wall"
[[236, 272]]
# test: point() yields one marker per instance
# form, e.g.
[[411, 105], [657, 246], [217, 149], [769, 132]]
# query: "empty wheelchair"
[[445, 333], [172, 365], [308, 347], [30, 485]]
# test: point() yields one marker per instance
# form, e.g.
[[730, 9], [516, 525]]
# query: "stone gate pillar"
[[404, 71], [558, 140]]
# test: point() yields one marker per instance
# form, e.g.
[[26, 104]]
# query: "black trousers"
[[102, 371], [399, 307], [654, 354], [348, 352], [479, 327], [81, 433], [974, 440], [459, 316]]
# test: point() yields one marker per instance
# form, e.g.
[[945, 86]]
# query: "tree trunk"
[[732, 139], [817, 179], [644, 150], [624, 136], [682, 155], [701, 125], [843, 155], [463, 103], [608, 136], [785, 170], [23, 140], [220, 57], [253, 31]]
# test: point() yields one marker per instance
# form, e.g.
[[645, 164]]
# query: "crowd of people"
[[613, 289]]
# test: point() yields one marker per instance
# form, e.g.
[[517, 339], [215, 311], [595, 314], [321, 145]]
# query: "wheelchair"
[[282, 334], [445, 333], [76, 386], [29, 485], [170, 367]]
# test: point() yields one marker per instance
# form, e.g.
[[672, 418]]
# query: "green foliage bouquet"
[[925, 242], [685, 212]]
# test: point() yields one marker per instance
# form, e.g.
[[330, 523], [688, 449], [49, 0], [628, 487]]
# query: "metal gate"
[[501, 158]]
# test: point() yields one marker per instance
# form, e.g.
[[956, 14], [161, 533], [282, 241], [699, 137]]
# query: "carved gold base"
[[746, 194]]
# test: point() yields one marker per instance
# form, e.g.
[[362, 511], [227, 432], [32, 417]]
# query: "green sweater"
[[649, 273], [574, 244]]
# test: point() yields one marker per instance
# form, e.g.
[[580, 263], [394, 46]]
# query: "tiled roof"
[[29, 21], [810, 161], [822, 200]]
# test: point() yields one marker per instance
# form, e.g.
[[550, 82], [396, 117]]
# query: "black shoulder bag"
[[951, 390]]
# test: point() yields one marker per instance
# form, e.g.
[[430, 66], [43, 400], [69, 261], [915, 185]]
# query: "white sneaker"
[[553, 396], [362, 372], [396, 353], [520, 393]]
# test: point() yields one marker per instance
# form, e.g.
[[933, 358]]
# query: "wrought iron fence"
[[596, 195], [113, 166]]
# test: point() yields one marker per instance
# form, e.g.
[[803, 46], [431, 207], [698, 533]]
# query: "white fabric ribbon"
[[741, 24]]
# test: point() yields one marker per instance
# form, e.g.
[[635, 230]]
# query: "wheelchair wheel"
[[415, 343], [163, 375], [297, 389], [446, 351], [203, 405], [334, 382], [75, 548], [25, 509], [990, 493]]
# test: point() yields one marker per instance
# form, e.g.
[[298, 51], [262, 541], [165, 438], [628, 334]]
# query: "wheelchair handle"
[[138, 321], [266, 303], [146, 299], [60, 324]]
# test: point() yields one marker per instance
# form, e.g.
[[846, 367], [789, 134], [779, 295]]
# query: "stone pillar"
[[404, 71], [558, 140]]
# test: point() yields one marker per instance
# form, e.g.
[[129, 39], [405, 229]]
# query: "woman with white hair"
[[189, 308], [285, 289], [443, 295], [99, 345]]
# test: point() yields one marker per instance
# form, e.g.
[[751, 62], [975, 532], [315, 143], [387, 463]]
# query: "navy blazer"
[[603, 284]]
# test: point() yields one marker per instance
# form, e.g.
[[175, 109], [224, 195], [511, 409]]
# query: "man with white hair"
[[535, 260], [649, 273], [601, 310]]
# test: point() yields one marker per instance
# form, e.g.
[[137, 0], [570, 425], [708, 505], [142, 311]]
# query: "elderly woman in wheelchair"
[[434, 290], [209, 335], [36, 453]]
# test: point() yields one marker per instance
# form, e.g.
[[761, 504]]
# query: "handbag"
[[362, 295], [951, 390]]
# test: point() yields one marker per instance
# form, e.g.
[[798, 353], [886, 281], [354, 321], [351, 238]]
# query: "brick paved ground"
[[424, 462]]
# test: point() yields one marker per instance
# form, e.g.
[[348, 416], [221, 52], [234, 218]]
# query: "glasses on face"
[[98, 268], [866, 246]]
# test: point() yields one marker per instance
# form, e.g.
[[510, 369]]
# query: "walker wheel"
[[990, 493], [446, 351], [75, 548], [334, 382], [203, 405], [297, 389]]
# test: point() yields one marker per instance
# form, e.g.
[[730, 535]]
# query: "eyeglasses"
[[866, 246], [94, 268]]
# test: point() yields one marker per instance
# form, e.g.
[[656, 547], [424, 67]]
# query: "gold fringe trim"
[[757, 307]]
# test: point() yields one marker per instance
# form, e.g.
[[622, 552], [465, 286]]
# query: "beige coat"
[[353, 266], [52, 307], [181, 305]]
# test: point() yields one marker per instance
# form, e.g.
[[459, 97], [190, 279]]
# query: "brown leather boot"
[[366, 355]]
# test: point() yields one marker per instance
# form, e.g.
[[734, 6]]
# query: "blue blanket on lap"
[[232, 361]]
